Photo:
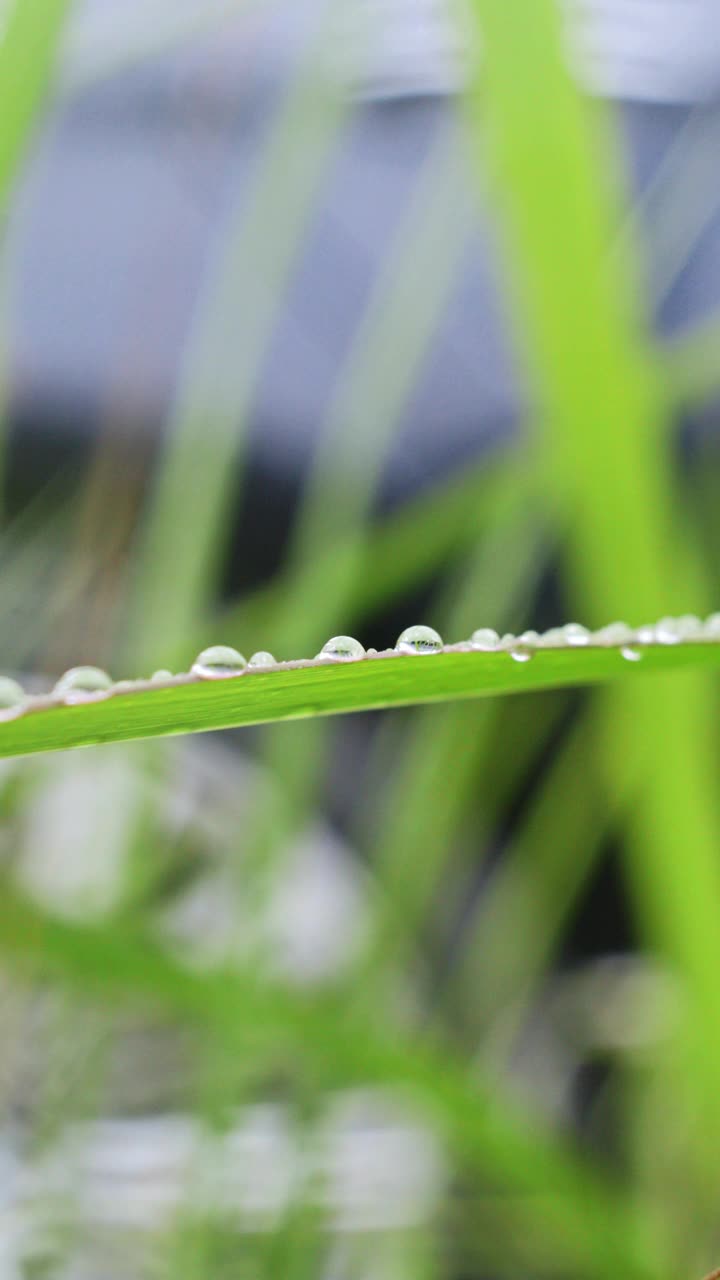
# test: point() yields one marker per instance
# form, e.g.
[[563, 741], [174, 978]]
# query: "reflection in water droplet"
[[342, 649], [575, 634], [614, 633], [630, 653], [82, 682], [419, 640], [262, 659], [485, 638], [11, 693], [218, 662], [162, 674]]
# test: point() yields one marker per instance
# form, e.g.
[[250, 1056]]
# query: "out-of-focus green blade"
[[27, 52], [609, 468]]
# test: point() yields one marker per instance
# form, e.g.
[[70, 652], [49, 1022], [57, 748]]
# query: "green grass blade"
[[301, 690], [612, 475]]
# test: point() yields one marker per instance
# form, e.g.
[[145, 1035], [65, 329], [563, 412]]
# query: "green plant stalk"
[[27, 53], [609, 475]]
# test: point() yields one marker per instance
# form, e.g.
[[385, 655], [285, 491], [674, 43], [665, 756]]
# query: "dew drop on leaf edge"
[[419, 640], [81, 682], [521, 652], [485, 638], [262, 659], [218, 662], [575, 634], [342, 649], [11, 693]]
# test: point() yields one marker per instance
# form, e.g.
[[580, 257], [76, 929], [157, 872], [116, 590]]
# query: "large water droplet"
[[485, 638], [342, 649], [630, 653], [11, 693], [575, 634], [262, 659], [419, 640], [82, 682], [218, 662]]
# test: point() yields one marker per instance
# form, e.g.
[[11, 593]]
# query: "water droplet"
[[82, 682], [262, 659], [554, 638], [615, 633], [11, 694], [342, 649], [667, 631], [711, 627], [419, 640], [218, 662], [630, 653], [485, 638], [689, 626], [521, 652], [575, 634], [162, 674]]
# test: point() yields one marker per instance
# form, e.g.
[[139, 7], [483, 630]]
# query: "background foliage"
[[523, 980]]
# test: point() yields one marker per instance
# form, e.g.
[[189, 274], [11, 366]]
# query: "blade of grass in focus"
[[190, 704], [608, 470]]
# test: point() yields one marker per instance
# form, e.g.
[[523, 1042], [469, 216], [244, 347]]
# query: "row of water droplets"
[[219, 662]]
